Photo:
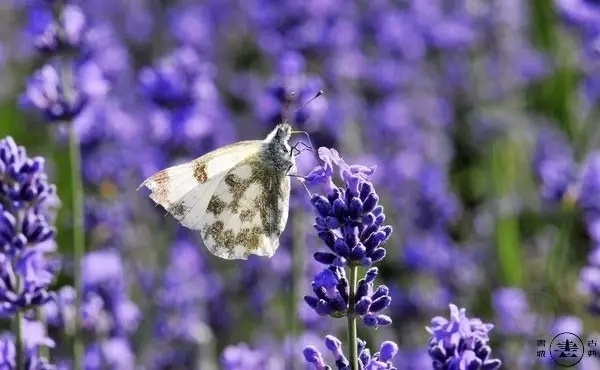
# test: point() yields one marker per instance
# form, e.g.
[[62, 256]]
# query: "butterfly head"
[[280, 134]]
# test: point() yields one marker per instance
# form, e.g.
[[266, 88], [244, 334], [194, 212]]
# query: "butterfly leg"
[[301, 180]]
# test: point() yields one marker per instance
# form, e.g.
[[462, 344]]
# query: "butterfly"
[[237, 196]]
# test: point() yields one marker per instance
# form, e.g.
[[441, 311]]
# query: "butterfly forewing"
[[184, 187]]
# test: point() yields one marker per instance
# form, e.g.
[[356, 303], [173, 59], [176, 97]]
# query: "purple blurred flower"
[[103, 277], [588, 197], [170, 84], [185, 107], [291, 78], [553, 165], [45, 92], [435, 206], [513, 312], [589, 280], [187, 289], [460, 342], [192, 25], [107, 314], [583, 13], [52, 36], [34, 336], [113, 353], [242, 357]]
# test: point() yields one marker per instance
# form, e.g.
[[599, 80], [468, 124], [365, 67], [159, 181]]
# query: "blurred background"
[[481, 116]]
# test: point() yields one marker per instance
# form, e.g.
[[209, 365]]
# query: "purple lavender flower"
[[350, 222], [588, 195], [354, 211], [25, 232], [513, 312], [107, 315], [34, 335], [46, 94], [186, 107], [583, 13], [381, 360], [52, 35], [171, 83], [182, 300], [242, 357], [112, 353], [460, 342], [553, 165], [291, 78], [103, 279], [589, 280]]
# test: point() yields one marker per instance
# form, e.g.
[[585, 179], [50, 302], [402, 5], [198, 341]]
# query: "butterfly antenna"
[[319, 93], [288, 103]]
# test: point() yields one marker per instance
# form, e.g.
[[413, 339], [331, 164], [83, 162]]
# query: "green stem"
[[298, 238], [20, 354], [352, 331], [67, 84], [43, 351], [17, 329], [78, 240]]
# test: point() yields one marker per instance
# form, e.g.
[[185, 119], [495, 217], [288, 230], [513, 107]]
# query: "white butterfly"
[[237, 196]]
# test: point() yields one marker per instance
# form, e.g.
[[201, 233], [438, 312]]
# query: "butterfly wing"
[[247, 211], [185, 190]]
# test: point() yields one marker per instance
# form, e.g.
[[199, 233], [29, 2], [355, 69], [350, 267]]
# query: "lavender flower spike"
[[350, 222], [460, 342], [353, 211], [25, 234], [381, 360]]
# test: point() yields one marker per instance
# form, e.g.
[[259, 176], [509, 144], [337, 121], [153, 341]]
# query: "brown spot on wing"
[[160, 187], [178, 209], [247, 215], [250, 238], [216, 205], [200, 172]]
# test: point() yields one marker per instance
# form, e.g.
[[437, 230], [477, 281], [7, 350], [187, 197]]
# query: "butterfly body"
[[236, 196]]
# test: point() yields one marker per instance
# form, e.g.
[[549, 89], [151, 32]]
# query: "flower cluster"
[[34, 335], [381, 360], [60, 89], [107, 313], [184, 103], [332, 296], [553, 165], [460, 342], [26, 235], [351, 223]]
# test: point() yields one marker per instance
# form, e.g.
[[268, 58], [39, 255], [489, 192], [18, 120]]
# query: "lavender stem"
[[352, 331], [78, 239], [19, 353], [77, 214]]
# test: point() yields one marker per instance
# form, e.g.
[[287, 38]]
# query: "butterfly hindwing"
[[247, 212]]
